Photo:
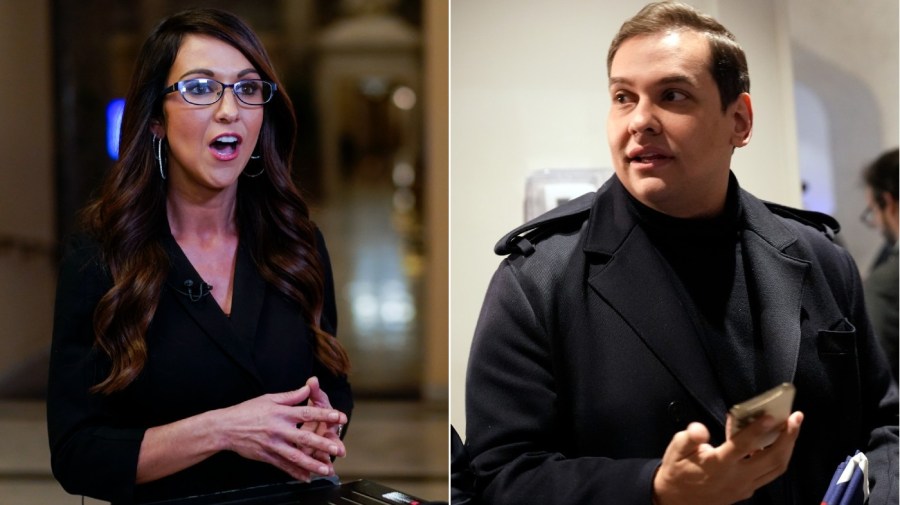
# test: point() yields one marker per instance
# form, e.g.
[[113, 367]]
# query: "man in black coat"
[[623, 325]]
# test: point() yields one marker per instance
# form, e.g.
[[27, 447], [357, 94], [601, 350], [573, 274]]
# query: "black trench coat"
[[586, 359]]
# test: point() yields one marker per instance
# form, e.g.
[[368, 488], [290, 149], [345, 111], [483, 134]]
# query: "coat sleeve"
[[880, 401], [881, 303], [514, 428], [90, 454]]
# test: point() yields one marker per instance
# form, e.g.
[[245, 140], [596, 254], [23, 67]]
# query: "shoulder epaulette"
[[818, 220], [522, 239]]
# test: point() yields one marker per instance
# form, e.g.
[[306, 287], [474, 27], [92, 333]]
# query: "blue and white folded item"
[[850, 482]]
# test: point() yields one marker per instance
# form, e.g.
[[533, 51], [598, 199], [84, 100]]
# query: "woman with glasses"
[[193, 343]]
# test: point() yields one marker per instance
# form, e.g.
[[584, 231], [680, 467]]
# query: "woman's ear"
[[157, 129], [742, 112]]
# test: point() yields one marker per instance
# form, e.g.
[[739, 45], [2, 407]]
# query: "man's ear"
[[742, 113], [890, 203], [890, 214]]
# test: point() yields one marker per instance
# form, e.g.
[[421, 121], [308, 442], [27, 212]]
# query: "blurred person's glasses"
[[868, 217], [210, 91]]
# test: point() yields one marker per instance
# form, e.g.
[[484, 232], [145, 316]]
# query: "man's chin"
[[651, 191]]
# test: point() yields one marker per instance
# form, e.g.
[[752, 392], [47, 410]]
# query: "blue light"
[[114, 126]]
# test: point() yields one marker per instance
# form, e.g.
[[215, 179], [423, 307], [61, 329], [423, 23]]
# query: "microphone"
[[195, 297]]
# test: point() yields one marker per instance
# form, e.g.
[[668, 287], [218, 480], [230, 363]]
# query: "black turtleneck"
[[705, 258]]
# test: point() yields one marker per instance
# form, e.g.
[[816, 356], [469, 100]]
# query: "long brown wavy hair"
[[128, 217]]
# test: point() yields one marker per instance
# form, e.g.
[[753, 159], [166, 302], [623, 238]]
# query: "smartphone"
[[776, 402]]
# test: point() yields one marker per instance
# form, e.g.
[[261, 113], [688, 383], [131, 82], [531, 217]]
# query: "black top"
[[706, 259], [587, 360], [198, 360], [700, 251]]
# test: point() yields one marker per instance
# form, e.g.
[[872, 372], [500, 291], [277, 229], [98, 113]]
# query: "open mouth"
[[225, 145], [648, 158]]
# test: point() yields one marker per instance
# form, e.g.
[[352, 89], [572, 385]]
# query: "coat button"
[[676, 413]]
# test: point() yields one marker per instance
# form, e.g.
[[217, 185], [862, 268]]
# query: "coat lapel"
[[634, 280], [206, 312], [776, 282], [249, 295]]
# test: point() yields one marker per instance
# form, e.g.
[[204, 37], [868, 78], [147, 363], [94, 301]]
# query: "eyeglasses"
[[868, 217], [210, 91]]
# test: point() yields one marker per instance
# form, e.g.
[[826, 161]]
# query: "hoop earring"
[[255, 157], [157, 146]]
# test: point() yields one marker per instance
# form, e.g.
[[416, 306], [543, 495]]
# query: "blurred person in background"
[[881, 285]]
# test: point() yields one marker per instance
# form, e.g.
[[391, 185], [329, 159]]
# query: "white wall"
[[528, 91], [845, 55]]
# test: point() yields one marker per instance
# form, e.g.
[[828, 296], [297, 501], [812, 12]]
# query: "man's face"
[[882, 218], [670, 141]]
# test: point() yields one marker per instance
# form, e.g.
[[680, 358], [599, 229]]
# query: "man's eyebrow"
[[678, 79], [669, 79], [618, 80]]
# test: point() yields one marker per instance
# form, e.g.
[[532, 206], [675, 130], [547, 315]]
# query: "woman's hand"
[[330, 431], [266, 429]]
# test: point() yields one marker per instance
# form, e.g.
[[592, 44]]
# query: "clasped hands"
[[277, 429], [693, 471]]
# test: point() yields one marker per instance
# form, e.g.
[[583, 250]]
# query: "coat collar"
[[628, 273], [233, 336], [777, 277], [632, 277]]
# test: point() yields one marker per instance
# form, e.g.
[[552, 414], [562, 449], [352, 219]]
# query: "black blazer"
[[199, 360], [586, 360]]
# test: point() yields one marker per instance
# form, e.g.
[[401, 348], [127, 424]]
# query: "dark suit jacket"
[[199, 360], [587, 360], [882, 303]]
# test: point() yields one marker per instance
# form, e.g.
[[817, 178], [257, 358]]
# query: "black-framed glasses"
[[203, 91]]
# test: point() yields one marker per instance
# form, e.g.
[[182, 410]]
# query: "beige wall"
[[528, 83], [27, 269]]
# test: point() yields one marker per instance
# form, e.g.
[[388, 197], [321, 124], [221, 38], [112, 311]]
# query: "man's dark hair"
[[881, 176], [728, 64]]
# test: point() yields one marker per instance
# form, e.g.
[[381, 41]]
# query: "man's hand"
[[693, 471]]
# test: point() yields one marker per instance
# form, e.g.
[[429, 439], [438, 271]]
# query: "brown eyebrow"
[[678, 79], [669, 79], [210, 73]]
